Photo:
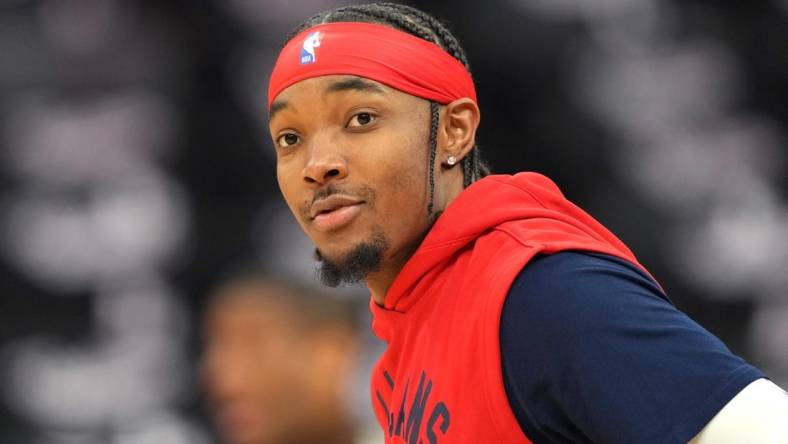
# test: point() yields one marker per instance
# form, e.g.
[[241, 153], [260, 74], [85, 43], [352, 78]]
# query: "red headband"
[[377, 52]]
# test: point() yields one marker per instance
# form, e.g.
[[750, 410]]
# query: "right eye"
[[286, 140]]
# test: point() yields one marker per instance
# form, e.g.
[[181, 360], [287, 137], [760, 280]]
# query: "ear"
[[460, 121]]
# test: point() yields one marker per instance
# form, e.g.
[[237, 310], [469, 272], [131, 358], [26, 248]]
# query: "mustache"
[[360, 192]]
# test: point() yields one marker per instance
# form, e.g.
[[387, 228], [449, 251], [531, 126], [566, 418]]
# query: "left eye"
[[361, 119]]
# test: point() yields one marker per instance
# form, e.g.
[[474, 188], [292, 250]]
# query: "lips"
[[334, 211]]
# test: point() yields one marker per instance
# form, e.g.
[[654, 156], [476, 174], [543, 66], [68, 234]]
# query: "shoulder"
[[585, 288], [593, 351], [580, 267]]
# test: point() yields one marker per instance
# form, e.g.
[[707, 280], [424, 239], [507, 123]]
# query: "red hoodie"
[[440, 379]]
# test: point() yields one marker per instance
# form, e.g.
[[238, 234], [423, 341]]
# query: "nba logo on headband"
[[311, 42]]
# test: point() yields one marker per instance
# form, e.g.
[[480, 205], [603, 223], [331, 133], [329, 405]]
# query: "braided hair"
[[420, 24]]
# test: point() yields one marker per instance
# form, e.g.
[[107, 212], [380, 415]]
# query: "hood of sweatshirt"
[[528, 206]]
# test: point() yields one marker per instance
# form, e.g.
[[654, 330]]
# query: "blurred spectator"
[[277, 362]]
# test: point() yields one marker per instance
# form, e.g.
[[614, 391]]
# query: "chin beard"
[[355, 265]]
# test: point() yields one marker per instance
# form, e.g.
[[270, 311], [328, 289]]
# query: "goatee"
[[354, 266]]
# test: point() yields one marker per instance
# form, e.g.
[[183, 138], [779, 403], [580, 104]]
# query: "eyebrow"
[[351, 84], [277, 106], [354, 84]]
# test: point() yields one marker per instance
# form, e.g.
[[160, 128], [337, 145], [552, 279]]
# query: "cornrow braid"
[[407, 24], [433, 144], [467, 171], [423, 25], [446, 39]]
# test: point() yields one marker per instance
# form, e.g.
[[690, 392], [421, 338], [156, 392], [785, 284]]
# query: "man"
[[510, 314], [277, 358]]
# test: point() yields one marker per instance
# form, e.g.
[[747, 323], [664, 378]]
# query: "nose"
[[325, 163]]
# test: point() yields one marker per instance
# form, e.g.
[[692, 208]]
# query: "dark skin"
[[369, 143]]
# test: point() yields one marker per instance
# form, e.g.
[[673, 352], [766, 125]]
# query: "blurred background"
[[136, 172]]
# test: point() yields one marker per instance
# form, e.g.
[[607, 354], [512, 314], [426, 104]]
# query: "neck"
[[380, 281]]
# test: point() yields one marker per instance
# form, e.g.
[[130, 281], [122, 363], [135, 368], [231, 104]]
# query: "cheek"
[[403, 179], [409, 183], [284, 178], [291, 191]]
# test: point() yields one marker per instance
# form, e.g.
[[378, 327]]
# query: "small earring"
[[451, 160]]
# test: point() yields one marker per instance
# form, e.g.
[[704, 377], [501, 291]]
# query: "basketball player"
[[276, 363], [510, 315]]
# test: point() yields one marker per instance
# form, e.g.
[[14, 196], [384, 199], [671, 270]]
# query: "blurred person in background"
[[277, 362], [510, 314]]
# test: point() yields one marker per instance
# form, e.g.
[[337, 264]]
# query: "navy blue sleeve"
[[592, 351]]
